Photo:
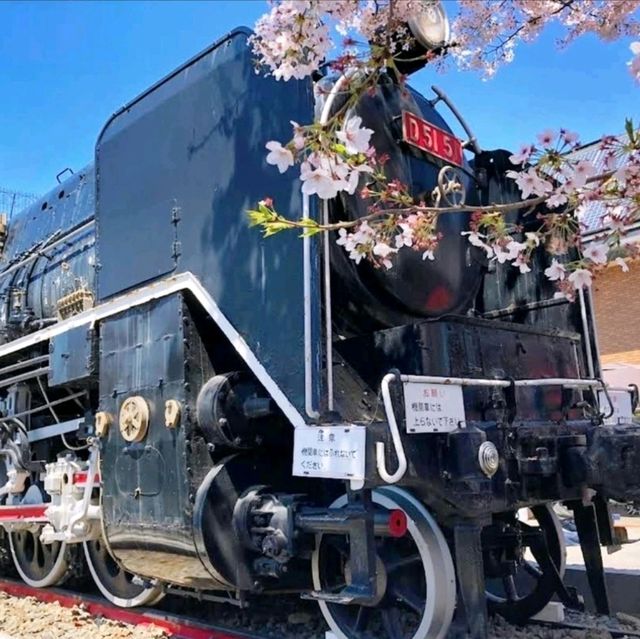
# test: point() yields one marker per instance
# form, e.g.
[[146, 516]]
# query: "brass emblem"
[[102, 421], [172, 411], [134, 418]]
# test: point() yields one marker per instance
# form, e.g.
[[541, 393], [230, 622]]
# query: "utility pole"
[[14, 201]]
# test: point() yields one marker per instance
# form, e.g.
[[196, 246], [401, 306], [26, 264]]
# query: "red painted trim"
[[13, 513], [177, 628], [80, 478]]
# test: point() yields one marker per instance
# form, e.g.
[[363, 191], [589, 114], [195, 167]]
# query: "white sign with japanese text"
[[622, 410], [433, 408], [334, 452]]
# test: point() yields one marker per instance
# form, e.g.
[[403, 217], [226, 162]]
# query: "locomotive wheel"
[[518, 597], [416, 578], [40, 565], [115, 583]]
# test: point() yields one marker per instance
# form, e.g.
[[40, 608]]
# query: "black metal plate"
[[178, 169]]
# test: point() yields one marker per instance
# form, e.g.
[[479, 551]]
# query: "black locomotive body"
[[210, 410]]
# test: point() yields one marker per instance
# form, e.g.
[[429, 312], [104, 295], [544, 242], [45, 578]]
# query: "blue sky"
[[66, 66]]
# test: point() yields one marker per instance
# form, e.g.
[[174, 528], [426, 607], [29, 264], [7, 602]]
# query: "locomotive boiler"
[[201, 409]]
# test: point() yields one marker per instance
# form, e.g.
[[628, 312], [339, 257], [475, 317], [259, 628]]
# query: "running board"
[[33, 513]]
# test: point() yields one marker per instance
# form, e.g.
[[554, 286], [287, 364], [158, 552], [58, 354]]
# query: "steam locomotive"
[[200, 409]]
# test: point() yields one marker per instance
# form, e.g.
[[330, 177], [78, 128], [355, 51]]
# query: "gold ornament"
[[134, 419]]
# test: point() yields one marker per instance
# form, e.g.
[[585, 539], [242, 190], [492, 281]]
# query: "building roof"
[[592, 219]]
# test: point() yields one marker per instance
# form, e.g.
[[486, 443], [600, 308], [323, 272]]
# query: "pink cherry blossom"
[[294, 39], [354, 177], [319, 181], [581, 172], [569, 138], [523, 155], [581, 278], [355, 138], [405, 237], [428, 255], [565, 294], [555, 272], [617, 218], [298, 136], [547, 137], [597, 253], [622, 264], [488, 32], [279, 156], [346, 240], [530, 183], [532, 239], [476, 239], [634, 64], [515, 248], [384, 251], [522, 263], [556, 199]]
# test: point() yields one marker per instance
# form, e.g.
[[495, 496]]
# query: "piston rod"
[[339, 521]]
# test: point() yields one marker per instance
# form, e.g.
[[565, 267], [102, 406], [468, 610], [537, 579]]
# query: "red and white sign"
[[430, 138], [433, 408]]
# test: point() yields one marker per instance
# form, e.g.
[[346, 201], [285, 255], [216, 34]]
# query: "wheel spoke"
[[391, 623], [539, 553], [403, 562], [532, 569], [40, 565], [114, 582], [510, 588], [362, 619], [410, 599]]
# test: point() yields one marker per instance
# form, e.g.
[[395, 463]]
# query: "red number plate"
[[429, 138]]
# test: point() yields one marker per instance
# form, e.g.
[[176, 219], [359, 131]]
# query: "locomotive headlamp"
[[430, 29]]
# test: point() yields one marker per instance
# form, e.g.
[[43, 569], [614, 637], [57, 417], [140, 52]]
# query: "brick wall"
[[616, 298]]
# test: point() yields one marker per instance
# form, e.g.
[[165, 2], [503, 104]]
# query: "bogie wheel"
[[521, 593], [115, 583], [416, 578], [40, 565]]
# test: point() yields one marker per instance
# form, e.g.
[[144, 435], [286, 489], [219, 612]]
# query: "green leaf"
[[339, 148], [271, 228], [255, 217], [310, 232], [628, 127]]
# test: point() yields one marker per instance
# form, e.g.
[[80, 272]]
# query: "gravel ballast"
[[28, 618], [288, 618]]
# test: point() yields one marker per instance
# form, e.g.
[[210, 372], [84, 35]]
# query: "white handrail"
[[568, 382], [390, 478], [324, 117], [308, 350]]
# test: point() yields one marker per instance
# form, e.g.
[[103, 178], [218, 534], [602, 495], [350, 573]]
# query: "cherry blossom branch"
[[293, 40]]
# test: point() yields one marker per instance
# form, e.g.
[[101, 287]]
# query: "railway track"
[[179, 626]]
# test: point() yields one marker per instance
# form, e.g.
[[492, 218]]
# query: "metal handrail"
[[390, 478], [567, 382], [381, 465]]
